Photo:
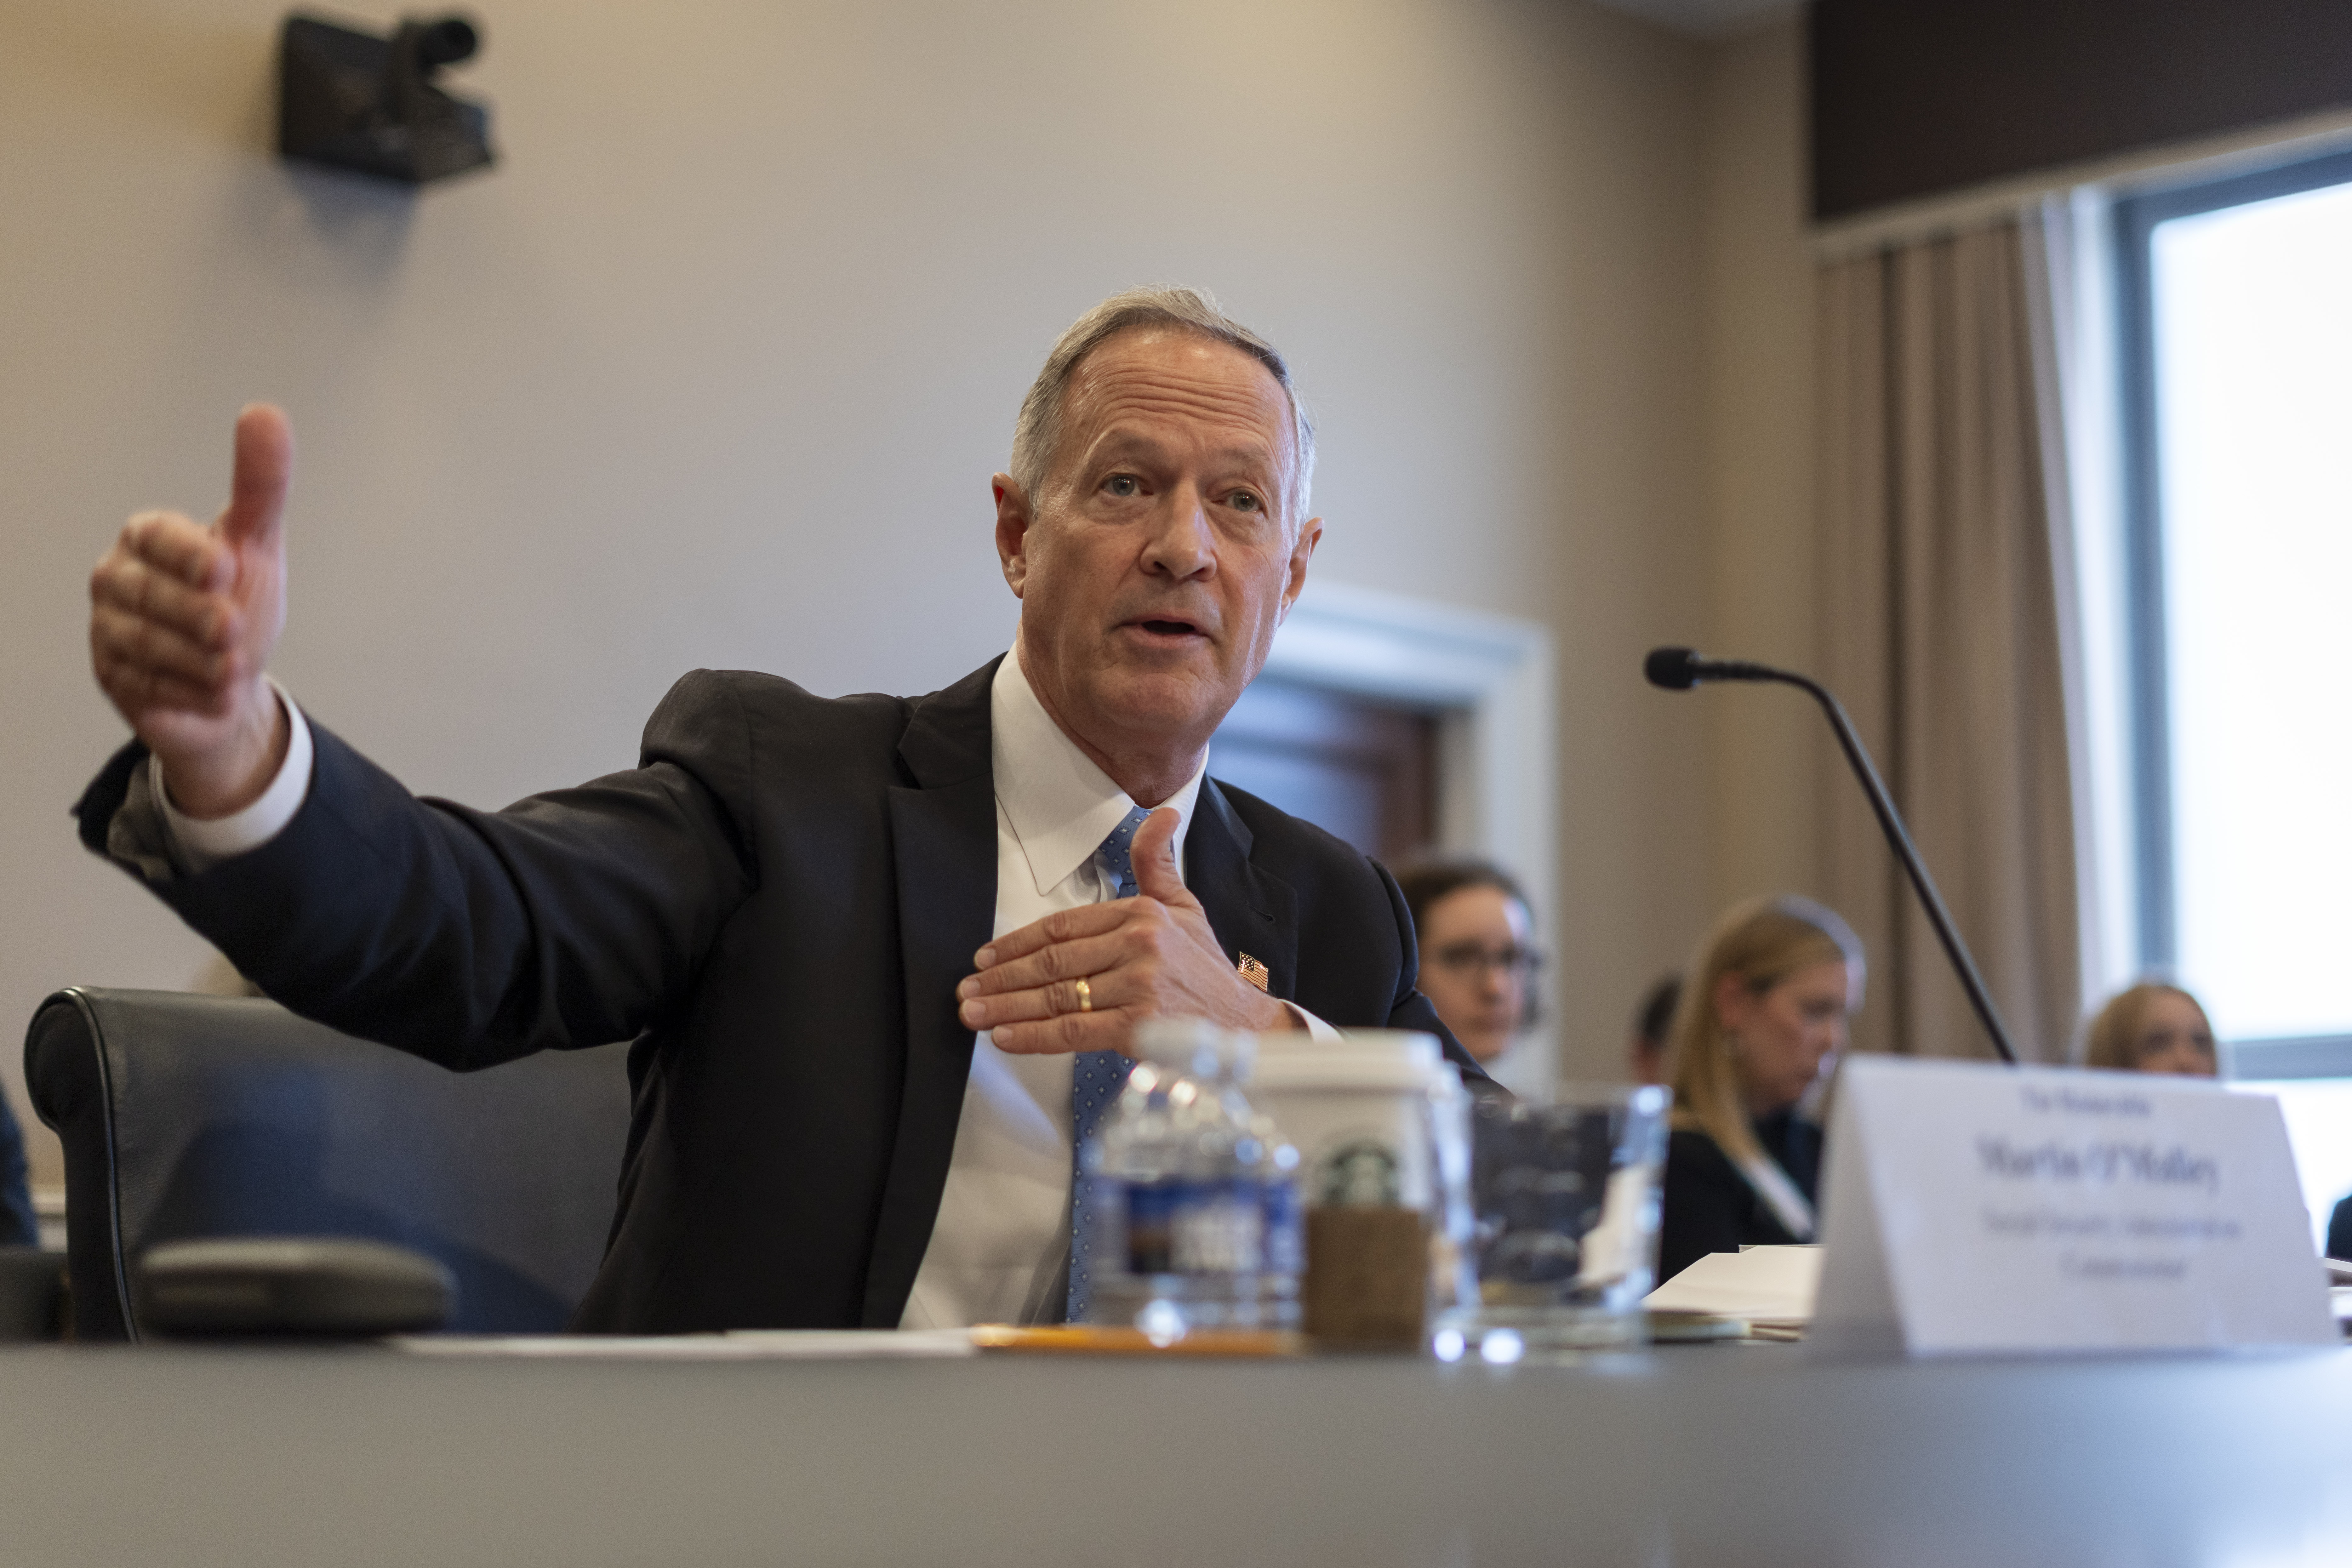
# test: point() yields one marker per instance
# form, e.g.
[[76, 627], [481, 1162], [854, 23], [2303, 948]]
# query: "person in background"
[[2153, 1028], [1762, 1016], [1478, 959], [1645, 1054], [2339, 1231]]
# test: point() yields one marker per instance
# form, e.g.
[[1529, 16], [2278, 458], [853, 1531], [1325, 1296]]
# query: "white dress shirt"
[[1002, 1240], [1001, 1243], [204, 844]]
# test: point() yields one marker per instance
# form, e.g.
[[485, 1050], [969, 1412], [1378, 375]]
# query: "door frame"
[[1489, 679]]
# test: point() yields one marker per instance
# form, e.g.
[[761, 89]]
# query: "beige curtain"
[[1940, 630]]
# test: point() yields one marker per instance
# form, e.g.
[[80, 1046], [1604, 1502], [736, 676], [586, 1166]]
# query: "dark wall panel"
[[1911, 97]]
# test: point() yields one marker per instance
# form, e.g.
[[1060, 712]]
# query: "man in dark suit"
[[879, 956]]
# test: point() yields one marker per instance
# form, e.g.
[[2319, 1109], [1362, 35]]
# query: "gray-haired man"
[[878, 955]]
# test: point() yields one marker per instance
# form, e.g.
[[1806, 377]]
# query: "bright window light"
[[2318, 1114], [2252, 311]]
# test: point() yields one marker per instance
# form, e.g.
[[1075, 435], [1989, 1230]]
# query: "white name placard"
[[1970, 1208]]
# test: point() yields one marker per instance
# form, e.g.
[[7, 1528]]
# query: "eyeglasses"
[[1468, 960]]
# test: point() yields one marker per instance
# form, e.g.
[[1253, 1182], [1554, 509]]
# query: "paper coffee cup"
[[1358, 1110]]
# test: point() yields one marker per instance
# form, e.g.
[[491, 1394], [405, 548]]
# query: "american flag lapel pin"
[[1252, 971]]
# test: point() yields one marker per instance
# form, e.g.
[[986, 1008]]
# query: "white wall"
[[713, 369]]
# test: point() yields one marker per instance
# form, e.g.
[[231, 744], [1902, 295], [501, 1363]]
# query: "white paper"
[[1972, 1208], [1772, 1285]]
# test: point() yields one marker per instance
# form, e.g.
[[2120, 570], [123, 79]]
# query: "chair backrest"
[[187, 1116]]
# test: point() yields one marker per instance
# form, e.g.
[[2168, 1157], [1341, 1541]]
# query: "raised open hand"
[[1146, 957], [183, 620]]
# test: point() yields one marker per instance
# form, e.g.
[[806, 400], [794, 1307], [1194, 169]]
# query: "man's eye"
[[1122, 485], [1246, 500]]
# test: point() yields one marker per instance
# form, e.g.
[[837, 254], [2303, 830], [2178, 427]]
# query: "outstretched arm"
[[570, 918]]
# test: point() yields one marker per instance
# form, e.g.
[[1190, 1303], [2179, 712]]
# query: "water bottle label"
[[1285, 1238], [1236, 1227], [1218, 1229], [1151, 1207]]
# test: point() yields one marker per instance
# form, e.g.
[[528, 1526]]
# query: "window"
[[2238, 339], [2237, 347]]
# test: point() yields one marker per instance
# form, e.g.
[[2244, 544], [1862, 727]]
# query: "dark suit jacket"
[[1708, 1205], [775, 905]]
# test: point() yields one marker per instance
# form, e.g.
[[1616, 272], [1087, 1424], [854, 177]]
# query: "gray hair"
[[1039, 429]]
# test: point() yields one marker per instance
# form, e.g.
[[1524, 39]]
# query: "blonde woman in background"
[[2153, 1028], [1761, 1019]]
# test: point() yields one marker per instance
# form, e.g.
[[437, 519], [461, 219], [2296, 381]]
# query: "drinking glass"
[[1562, 1240]]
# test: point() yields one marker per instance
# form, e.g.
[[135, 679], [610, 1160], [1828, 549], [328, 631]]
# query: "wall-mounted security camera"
[[355, 101]]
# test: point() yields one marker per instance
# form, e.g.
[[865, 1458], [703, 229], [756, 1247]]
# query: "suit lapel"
[[1250, 910], [943, 851]]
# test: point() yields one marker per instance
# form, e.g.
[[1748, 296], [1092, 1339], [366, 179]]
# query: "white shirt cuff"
[[1317, 1029], [203, 844]]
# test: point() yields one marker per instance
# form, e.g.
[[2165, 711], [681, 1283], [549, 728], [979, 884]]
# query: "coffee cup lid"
[[1379, 1059]]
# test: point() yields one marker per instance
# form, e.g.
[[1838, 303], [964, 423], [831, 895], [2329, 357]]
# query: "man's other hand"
[[183, 620], [1150, 956]]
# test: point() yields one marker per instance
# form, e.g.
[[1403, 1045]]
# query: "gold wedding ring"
[[1085, 997]]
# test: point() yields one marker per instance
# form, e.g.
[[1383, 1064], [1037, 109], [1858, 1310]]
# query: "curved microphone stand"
[[1680, 669]]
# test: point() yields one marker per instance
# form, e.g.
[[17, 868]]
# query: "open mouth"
[[1171, 629]]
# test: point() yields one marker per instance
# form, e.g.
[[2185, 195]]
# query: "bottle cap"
[[1193, 1045]]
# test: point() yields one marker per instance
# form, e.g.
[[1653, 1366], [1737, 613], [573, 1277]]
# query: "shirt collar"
[[1061, 805]]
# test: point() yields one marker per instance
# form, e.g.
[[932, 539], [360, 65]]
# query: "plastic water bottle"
[[1196, 1192]]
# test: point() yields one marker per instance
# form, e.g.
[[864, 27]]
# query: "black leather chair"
[[188, 1116]]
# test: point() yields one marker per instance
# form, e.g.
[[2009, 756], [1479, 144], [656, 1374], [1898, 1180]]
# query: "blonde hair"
[[1763, 941], [2114, 1038]]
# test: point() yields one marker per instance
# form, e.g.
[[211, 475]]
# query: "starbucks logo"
[[1358, 1175]]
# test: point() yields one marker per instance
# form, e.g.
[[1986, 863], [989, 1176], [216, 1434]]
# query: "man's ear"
[[1302, 550], [1012, 531]]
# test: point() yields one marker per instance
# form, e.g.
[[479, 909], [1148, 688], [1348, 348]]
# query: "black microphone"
[[1680, 669]]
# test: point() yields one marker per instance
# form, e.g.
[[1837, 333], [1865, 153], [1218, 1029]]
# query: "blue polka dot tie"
[[1095, 1086]]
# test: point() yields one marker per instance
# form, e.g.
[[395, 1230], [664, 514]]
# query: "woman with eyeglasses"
[[1477, 958], [1762, 1020]]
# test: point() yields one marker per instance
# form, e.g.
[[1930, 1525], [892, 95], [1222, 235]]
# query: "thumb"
[[264, 466], [1154, 856]]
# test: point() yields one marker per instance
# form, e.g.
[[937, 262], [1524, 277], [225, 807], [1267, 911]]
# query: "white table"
[[1730, 1455]]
